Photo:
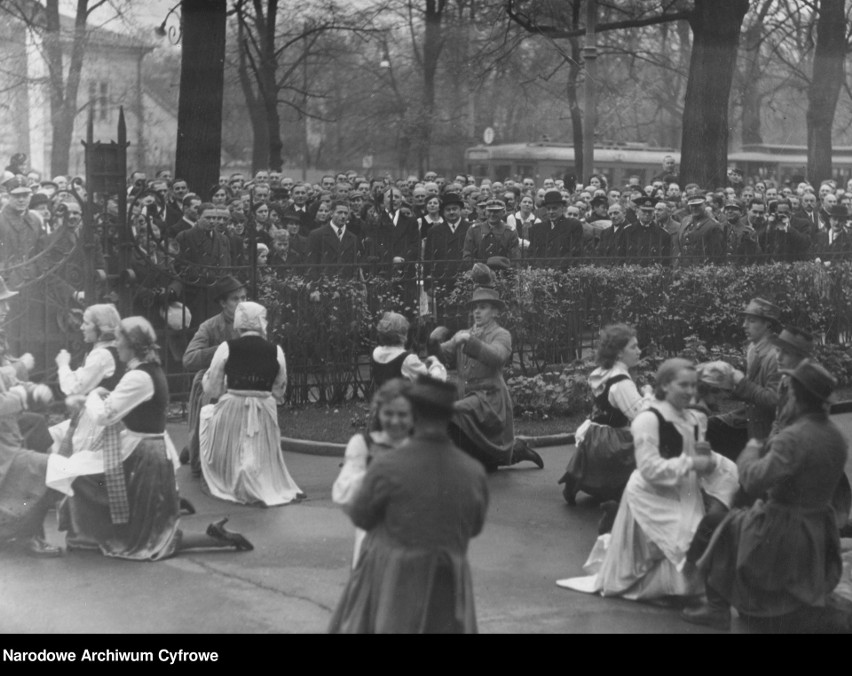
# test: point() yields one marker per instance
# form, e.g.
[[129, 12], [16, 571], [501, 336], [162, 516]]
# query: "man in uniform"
[[646, 242], [700, 239], [740, 237]]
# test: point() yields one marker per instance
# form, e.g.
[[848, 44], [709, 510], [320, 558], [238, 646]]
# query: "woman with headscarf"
[[123, 497], [240, 441]]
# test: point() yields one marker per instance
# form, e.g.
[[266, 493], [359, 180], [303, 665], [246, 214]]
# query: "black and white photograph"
[[422, 317]]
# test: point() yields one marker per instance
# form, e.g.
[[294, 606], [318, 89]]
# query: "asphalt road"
[[292, 580]]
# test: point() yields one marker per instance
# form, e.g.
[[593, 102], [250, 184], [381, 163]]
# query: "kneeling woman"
[[124, 496], [676, 480], [240, 440]]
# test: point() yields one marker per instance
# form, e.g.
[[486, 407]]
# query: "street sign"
[[367, 162], [488, 135]]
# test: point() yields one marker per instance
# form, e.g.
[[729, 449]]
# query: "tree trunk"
[[268, 86], [432, 45], [202, 79], [828, 76], [716, 28], [260, 138], [574, 70], [749, 88]]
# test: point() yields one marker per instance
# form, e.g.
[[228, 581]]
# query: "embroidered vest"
[[605, 413], [252, 364]]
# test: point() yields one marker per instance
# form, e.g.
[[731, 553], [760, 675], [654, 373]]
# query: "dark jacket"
[[326, 252], [561, 239]]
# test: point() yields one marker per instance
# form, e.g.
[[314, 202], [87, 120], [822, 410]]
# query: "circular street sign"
[[367, 162], [488, 135]]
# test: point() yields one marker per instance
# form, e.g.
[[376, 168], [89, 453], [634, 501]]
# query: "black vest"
[[150, 416], [604, 412], [671, 441], [252, 364], [120, 368], [385, 372]]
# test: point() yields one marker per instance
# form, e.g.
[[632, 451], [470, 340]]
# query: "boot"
[[523, 451], [240, 543], [715, 613], [610, 509], [569, 488]]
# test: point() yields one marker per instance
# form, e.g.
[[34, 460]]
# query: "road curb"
[[333, 450]]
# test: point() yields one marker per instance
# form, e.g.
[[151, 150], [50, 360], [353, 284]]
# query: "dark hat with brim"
[[452, 198], [734, 204], [838, 211], [38, 199], [553, 198], [600, 201], [696, 198], [17, 185], [793, 341], [225, 286], [485, 295], [498, 263], [814, 378], [645, 203], [495, 205], [4, 291], [428, 392], [758, 307]]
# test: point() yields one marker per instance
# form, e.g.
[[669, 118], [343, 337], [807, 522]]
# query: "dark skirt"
[[24, 497], [152, 532], [603, 462]]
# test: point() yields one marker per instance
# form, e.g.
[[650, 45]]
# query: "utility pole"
[[590, 55]]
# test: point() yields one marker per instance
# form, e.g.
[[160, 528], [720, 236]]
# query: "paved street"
[[293, 579]]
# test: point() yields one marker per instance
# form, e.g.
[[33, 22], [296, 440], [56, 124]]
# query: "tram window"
[[503, 171], [526, 170]]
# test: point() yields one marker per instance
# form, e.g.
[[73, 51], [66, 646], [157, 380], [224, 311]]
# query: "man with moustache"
[[557, 236]]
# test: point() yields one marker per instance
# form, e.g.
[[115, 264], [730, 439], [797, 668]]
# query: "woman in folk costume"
[[391, 360], [603, 461], [780, 558], [677, 478], [483, 424], [391, 424], [240, 441], [123, 497], [101, 368], [420, 505]]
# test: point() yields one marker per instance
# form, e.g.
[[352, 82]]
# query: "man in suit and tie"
[[557, 236], [834, 242], [190, 204], [332, 249], [442, 260], [808, 212], [203, 255], [299, 208]]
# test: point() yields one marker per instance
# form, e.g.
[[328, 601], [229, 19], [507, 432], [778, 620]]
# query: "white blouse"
[[99, 364], [215, 382], [134, 388], [412, 366], [652, 466]]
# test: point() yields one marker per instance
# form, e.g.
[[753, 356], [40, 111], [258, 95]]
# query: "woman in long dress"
[[645, 556], [101, 368], [391, 424], [124, 498], [240, 440], [780, 558], [603, 461]]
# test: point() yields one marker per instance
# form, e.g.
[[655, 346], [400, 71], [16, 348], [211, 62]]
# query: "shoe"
[[75, 545], [186, 507], [37, 546], [217, 530], [569, 489], [610, 509], [523, 451], [708, 616]]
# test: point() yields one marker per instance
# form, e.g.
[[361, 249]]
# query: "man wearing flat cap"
[[646, 242], [228, 293], [701, 239], [492, 238], [757, 388], [556, 237]]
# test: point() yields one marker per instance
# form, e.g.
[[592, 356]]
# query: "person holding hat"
[[740, 237], [645, 242], [780, 558], [420, 505], [556, 237], [20, 228], [757, 388], [483, 425], [228, 292], [491, 238], [701, 239]]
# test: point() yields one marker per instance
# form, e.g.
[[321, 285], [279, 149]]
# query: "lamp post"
[[590, 55], [165, 29]]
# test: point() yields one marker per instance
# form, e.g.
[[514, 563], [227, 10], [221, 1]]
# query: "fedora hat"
[[486, 295], [794, 340], [758, 307], [814, 378], [553, 197], [838, 211], [225, 286], [4, 291], [428, 392]]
